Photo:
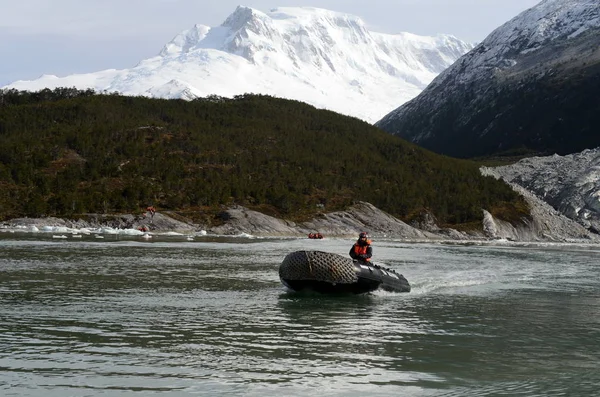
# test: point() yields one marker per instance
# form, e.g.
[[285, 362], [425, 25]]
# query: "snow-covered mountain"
[[321, 57], [532, 85], [570, 184]]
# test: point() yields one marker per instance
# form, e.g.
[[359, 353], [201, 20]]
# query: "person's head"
[[363, 238]]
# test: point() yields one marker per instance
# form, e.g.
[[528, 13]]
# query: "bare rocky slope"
[[570, 184], [546, 225]]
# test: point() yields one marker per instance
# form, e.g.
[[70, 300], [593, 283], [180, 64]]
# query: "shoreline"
[[545, 226], [43, 231]]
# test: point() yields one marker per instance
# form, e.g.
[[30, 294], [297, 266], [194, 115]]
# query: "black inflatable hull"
[[329, 273]]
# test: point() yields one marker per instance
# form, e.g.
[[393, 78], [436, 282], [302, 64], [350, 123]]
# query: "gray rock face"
[[361, 217], [546, 225], [570, 184], [158, 222], [243, 220]]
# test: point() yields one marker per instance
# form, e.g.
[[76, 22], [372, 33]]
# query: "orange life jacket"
[[362, 249]]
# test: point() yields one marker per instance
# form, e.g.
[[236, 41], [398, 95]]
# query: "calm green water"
[[210, 317]]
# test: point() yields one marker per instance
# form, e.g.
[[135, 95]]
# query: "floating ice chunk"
[[172, 234], [131, 232]]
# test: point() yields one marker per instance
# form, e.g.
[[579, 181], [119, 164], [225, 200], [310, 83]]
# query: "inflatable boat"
[[330, 273]]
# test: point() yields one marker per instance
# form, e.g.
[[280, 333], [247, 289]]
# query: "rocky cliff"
[[569, 184]]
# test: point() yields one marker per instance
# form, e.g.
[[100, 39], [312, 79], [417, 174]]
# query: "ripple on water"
[[210, 319]]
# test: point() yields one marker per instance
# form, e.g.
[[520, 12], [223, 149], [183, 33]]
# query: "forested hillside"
[[68, 152]]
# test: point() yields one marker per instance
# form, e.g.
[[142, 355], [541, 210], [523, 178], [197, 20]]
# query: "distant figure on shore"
[[316, 235], [151, 210], [362, 250]]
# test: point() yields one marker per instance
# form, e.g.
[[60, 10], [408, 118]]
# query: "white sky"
[[63, 37]]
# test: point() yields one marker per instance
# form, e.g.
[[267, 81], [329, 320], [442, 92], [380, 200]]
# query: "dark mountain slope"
[[530, 87], [68, 152]]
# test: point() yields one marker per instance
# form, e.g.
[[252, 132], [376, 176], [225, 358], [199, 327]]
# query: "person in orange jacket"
[[361, 250]]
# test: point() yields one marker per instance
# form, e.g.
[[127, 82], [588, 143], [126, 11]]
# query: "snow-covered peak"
[[532, 42], [546, 22], [246, 18], [173, 89], [186, 40], [326, 58], [536, 28]]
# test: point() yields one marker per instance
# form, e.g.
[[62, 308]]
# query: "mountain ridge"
[[515, 90], [325, 58]]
